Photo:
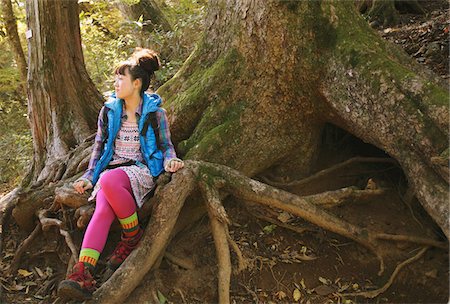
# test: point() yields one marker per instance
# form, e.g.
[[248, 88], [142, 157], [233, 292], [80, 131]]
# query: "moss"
[[436, 95]]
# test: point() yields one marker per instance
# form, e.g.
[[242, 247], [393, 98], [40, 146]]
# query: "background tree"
[[13, 38]]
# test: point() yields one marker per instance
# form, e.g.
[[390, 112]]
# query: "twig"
[[22, 247], [412, 239], [242, 264], [374, 293], [253, 294], [49, 222]]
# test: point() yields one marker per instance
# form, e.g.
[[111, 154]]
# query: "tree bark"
[[153, 16], [62, 100], [267, 75], [13, 38]]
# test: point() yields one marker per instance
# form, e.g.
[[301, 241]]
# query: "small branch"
[[411, 239], [338, 197], [321, 174], [374, 293], [242, 264], [219, 227], [22, 248], [49, 222]]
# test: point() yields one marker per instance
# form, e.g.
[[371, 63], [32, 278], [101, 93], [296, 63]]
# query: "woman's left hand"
[[175, 165]]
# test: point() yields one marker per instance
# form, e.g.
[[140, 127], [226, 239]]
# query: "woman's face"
[[125, 86]]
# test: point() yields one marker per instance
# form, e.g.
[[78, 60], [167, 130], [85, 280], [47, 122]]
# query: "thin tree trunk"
[[14, 41]]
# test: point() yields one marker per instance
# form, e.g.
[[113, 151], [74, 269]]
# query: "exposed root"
[[49, 222], [335, 198], [184, 263], [411, 239], [219, 227], [242, 264], [321, 174], [22, 248], [374, 293], [7, 204]]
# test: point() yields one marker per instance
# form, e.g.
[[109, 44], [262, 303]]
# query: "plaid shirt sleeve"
[[97, 147], [164, 136]]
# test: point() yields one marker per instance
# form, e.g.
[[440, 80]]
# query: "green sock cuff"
[[92, 253], [128, 221]]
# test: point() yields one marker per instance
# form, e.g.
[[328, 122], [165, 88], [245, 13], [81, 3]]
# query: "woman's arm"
[[97, 149], [165, 142]]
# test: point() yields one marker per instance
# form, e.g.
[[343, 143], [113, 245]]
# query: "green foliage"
[[108, 37], [15, 137]]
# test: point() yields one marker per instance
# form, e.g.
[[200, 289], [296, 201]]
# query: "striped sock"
[[130, 225], [89, 257]]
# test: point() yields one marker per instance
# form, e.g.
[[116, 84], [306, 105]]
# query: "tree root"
[[335, 198], [374, 293], [209, 178], [7, 204], [219, 225], [323, 173], [22, 248]]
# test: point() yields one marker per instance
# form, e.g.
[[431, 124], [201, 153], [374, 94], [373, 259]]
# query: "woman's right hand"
[[82, 185]]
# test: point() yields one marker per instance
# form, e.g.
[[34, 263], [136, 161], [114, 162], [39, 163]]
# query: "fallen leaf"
[[39, 272], [323, 280], [432, 273], [24, 272], [280, 295], [296, 294], [302, 282], [324, 290], [161, 298]]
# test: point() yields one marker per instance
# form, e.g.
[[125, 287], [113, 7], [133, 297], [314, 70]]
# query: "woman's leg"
[[117, 189], [97, 231]]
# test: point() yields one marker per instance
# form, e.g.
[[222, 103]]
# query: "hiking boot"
[[123, 250], [79, 285]]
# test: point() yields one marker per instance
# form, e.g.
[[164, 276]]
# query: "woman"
[[132, 147]]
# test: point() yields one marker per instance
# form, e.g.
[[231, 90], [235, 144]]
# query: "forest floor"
[[315, 266]]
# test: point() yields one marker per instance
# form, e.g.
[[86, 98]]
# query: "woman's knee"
[[113, 179]]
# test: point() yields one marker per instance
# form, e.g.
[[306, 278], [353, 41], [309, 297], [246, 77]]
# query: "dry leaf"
[[302, 282], [280, 295], [324, 290], [39, 272], [323, 280], [296, 294], [24, 272]]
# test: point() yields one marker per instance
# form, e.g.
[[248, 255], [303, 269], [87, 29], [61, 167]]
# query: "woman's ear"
[[137, 83]]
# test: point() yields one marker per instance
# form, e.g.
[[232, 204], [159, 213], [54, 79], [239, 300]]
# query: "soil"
[[315, 266]]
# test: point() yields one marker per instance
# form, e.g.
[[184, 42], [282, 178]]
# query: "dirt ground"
[[314, 266]]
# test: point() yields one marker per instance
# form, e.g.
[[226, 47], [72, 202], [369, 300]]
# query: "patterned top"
[[127, 147], [164, 136]]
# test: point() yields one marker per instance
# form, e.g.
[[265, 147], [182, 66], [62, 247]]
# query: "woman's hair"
[[142, 64]]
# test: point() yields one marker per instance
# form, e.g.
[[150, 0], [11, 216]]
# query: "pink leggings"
[[114, 199]]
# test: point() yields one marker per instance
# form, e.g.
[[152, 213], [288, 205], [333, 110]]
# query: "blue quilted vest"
[[153, 157]]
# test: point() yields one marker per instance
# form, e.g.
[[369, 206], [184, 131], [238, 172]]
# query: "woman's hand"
[[82, 185], [175, 165]]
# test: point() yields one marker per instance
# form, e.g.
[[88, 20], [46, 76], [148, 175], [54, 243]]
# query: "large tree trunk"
[[62, 98], [268, 75], [13, 38]]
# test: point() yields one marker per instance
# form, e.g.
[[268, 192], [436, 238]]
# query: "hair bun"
[[146, 59]]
